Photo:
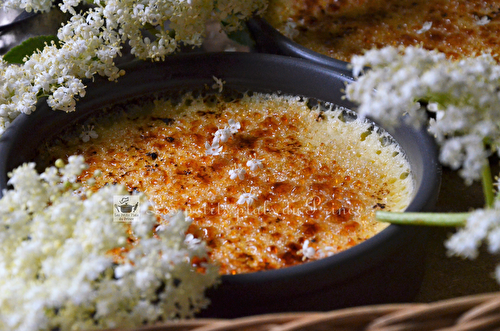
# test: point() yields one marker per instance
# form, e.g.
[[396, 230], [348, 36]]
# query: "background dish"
[[269, 40], [9, 17], [18, 26], [385, 268]]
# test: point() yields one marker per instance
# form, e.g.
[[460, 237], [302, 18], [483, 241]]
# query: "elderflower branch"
[[91, 41], [29, 5], [483, 226], [463, 95], [440, 219], [428, 219], [56, 269]]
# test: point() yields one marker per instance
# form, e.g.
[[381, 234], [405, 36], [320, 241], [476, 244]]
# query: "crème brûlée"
[[269, 181], [343, 28]]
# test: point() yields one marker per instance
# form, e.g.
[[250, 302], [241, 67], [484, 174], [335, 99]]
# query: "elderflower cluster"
[[482, 226], [463, 95], [29, 6], [56, 272], [87, 48], [91, 41]]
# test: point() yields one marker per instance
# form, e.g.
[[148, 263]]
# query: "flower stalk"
[[426, 219], [487, 182], [442, 219]]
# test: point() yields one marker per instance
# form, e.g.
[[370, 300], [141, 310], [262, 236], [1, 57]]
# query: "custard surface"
[[343, 28], [323, 175]]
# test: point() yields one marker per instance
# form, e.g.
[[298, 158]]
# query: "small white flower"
[[290, 30], [237, 173], [247, 198], [213, 149], [191, 241], [234, 126], [483, 20], [307, 251], [222, 135], [325, 252], [88, 133], [219, 84], [254, 164], [425, 27]]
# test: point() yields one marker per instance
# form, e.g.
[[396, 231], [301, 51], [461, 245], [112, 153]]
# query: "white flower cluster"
[[483, 225], [91, 41], [29, 5], [56, 270], [88, 48], [464, 95]]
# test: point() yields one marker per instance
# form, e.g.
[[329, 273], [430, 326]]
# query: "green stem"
[[429, 219], [487, 181]]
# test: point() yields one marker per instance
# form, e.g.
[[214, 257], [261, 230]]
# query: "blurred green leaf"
[[242, 37], [28, 47]]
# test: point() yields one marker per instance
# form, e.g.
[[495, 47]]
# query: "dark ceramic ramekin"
[[11, 17], [385, 268], [271, 41]]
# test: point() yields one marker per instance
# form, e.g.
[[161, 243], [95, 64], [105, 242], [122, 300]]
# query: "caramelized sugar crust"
[[322, 178], [343, 28]]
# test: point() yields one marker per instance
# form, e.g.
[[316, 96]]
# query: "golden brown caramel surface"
[[343, 28], [322, 178]]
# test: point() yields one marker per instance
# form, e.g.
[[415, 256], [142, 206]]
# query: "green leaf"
[[28, 47], [242, 37]]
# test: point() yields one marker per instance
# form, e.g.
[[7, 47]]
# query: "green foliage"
[[18, 53], [242, 37]]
